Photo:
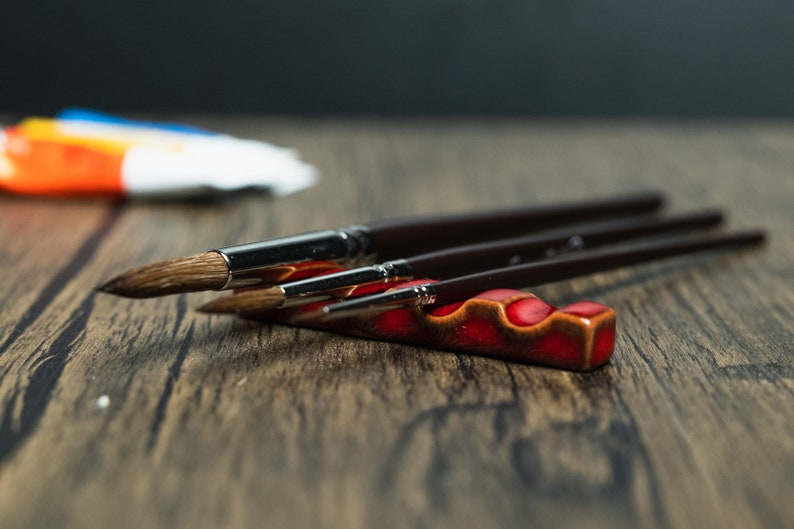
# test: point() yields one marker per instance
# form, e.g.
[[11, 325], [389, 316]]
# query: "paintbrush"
[[242, 265], [454, 262], [532, 274]]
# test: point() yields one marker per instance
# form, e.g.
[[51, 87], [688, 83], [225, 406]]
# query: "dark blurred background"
[[412, 57]]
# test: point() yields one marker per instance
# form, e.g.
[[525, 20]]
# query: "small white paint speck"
[[103, 402], [241, 381]]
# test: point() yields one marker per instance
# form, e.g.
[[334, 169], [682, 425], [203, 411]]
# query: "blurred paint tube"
[[84, 152]]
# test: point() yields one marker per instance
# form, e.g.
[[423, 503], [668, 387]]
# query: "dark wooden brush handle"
[[396, 238], [533, 274], [468, 259]]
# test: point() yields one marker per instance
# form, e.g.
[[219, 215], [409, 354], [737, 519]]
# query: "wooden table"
[[122, 413]]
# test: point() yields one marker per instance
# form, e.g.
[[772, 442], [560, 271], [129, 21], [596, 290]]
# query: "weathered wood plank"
[[214, 422]]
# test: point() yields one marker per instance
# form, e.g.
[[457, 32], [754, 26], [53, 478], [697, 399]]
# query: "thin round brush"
[[242, 265], [455, 262], [533, 274]]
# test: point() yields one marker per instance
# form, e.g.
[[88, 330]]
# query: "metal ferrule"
[[339, 284], [416, 296], [246, 261]]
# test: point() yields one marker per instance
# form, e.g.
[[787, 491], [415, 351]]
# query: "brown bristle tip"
[[206, 271], [245, 302]]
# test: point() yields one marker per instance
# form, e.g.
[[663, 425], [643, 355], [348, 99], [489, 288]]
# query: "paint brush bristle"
[[205, 271], [247, 301]]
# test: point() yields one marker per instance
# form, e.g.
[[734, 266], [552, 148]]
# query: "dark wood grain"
[[216, 422]]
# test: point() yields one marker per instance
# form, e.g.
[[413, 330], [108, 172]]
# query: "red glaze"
[[507, 324]]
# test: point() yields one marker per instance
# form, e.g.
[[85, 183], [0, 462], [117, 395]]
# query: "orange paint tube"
[[37, 166]]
